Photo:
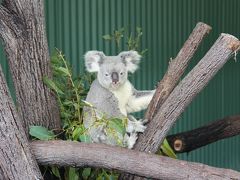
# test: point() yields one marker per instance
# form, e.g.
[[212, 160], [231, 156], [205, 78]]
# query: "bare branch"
[[196, 138], [188, 88], [176, 68], [66, 153]]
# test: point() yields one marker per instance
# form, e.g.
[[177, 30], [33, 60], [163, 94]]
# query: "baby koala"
[[114, 96]]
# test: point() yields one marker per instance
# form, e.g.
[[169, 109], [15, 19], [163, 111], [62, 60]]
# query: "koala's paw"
[[136, 125], [131, 140]]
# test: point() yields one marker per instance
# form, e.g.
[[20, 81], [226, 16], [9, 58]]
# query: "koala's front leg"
[[133, 127], [139, 101]]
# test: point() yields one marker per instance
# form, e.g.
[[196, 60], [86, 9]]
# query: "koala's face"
[[112, 71]]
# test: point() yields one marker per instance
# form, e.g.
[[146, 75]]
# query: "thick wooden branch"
[[176, 68], [16, 161], [150, 141], [66, 153], [188, 88], [22, 29], [196, 138]]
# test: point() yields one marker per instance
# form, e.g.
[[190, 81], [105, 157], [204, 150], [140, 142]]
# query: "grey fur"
[[103, 99], [107, 105]]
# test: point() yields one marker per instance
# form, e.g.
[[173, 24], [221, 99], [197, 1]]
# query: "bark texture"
[[196, 138], [176, 68], [77, 154], [16, 161], [22, 29], [183, 94], [150, 141]]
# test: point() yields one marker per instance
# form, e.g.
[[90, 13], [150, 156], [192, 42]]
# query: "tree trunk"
[[196, 138], [22, 29], [16, 161], [67, 153]]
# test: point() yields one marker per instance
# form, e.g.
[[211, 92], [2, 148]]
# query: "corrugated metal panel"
[[78, 25]]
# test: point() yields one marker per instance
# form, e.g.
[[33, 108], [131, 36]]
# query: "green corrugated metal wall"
[[78, 25]]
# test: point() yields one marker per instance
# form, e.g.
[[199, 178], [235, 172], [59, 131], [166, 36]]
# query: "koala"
[[113, 95]]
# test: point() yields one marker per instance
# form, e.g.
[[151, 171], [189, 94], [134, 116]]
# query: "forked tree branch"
[[175, 70], [150, 141], [184, 93], [196, 138], [67, 153], [177, 67]]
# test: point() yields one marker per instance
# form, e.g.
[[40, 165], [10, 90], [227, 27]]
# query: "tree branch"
[[16, 160], [196, 138], [67, 153], [150, 141], [184, 93], [176, 68]]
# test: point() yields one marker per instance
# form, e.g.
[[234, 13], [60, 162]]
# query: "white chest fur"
[[123, 94]]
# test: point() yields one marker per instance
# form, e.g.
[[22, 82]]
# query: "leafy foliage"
[[133, 41]]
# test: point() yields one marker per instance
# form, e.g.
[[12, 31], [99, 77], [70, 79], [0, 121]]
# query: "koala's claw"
[[135, 125], [131, 140]]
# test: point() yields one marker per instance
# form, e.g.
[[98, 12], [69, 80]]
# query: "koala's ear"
[[93, 59], [131, 59]]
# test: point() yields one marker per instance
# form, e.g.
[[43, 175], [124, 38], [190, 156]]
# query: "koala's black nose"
[[115, 77]]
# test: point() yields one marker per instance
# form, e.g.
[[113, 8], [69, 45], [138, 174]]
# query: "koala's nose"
[[115, 77]]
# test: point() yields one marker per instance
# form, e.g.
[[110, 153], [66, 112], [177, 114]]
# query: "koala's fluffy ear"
[[93, 59], [131, 59]]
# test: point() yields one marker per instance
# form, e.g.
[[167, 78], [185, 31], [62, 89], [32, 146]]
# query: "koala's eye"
[[121, 73], [106, 74]]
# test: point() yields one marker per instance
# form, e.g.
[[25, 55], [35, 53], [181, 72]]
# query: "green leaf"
[[52, 85], [168, 150], [76, 106], [67, 103], [139, 30], [73, 174], [41, 133], [55, 57], [66, 115], [143, 51], [117, 125], [85, 138], [63, 70], [76, 133], [55, 171], [86, 173], [107, 37]]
